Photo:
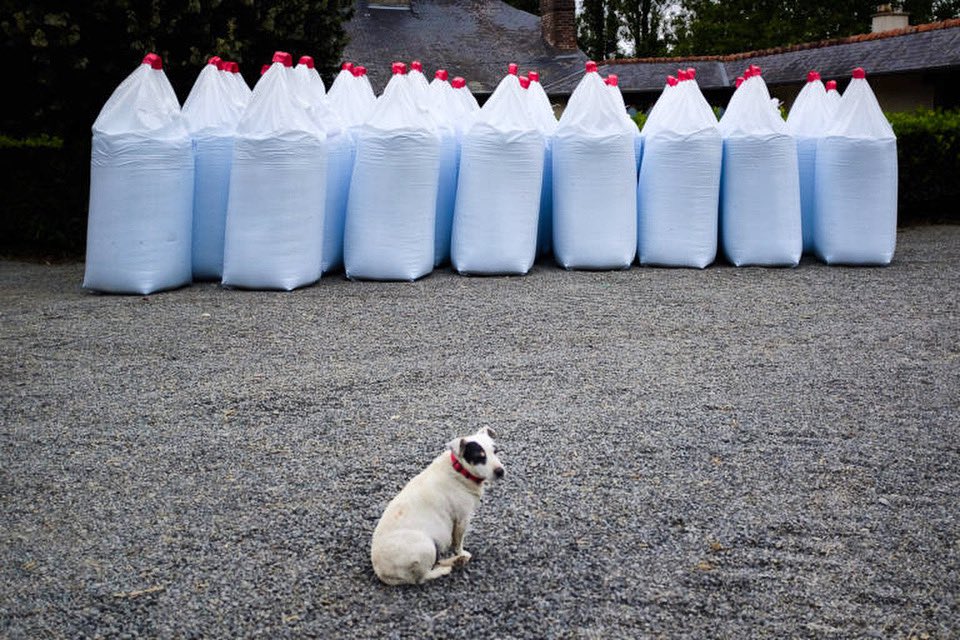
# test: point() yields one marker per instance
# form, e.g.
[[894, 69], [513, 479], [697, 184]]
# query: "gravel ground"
[[728, 453]]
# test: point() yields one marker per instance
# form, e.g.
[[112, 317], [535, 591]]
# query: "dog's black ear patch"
[[474, 453]]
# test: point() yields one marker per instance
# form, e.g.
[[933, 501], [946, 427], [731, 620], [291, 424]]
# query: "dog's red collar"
[[459, 468]]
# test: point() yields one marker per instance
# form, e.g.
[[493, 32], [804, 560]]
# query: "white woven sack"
[[808, 121], [542, 111], [391, 213], [498, 193], [594, 182], [211, 113], [340, 153], [275, 216], [760, 183], [856, 183], [678, 219], [141, 189]]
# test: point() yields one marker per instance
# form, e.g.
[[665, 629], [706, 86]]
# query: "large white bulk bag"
[[613, 86], [833, 97], [391, 213], [427, 100], [808, 120], [340, 152], [275, 216], [594, 181], [856, 182], [679, 187], [760, 184], [141, 188], [498, 194], [542, 112], [447, 111], [211, 113], [239, 90], [351, 95]]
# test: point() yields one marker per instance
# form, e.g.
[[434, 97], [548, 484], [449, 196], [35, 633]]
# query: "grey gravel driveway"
[[730, 453]]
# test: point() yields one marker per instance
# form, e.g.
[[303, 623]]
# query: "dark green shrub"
[[928, 152]]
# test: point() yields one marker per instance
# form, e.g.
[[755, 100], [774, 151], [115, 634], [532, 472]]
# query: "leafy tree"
[[598, 29], [64, 58], [530, 6], [642, 21], [703, 27]]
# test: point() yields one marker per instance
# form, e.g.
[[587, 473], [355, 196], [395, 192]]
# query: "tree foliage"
[[705, 27], [612, 28], [64, 58]]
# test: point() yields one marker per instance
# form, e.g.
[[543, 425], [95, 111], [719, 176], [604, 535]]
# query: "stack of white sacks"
[[270, 189]]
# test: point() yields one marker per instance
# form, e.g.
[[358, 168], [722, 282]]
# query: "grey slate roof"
[[475, 39], [929, 47]]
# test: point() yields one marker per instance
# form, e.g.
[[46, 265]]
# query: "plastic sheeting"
[[498, 195], [141, 189], [275, 216], [678, 219], [856, 183], [594, 185], [760, 184], [211, 112], [808, 121], [391, 214]]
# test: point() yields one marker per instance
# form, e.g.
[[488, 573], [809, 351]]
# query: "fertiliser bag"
[[808, 121], [594, 181], [211, 113], [856, 182], [679, 187], [498, 195], [760, 184], [351, 96], [340, 153], [275, 216], [540, 108], [433, 101], [141, 188], [391, 213]]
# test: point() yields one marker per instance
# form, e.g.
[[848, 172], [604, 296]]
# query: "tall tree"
[[598, 27], [642, 21]]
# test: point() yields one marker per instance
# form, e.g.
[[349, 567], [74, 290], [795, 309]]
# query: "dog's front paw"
[[462, 558]]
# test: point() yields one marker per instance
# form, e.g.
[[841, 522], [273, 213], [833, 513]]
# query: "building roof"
[[926, 47], [475, 39]]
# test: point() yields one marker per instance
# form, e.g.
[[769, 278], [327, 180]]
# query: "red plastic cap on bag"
[[534, 76], [416, 65], [831, 85], [346, 66], [755, 70], [233, 67], [155, 61], [441, 74], [672, 81], [362, 69], [682, 75], [216, 61], [613, 80], [307, 60], [738, 81], [458, 83], [356, 72], [264, 69], [399, 68], [813, 76], [859, 73], [524, 82], [283, 58], [513, 69], [590, 66], [691, 73]]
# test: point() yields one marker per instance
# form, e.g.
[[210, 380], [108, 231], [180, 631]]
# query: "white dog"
[[431, 513]]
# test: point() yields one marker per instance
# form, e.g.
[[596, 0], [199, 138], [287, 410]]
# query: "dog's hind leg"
[[437, 572]]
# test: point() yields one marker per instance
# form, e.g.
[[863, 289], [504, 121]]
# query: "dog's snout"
[[498, 472]]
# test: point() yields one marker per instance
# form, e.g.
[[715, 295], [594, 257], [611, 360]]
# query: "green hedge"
[[43, 204]]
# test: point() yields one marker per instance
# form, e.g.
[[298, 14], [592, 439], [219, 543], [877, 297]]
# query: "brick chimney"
[[558, 22], [889, 17]]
